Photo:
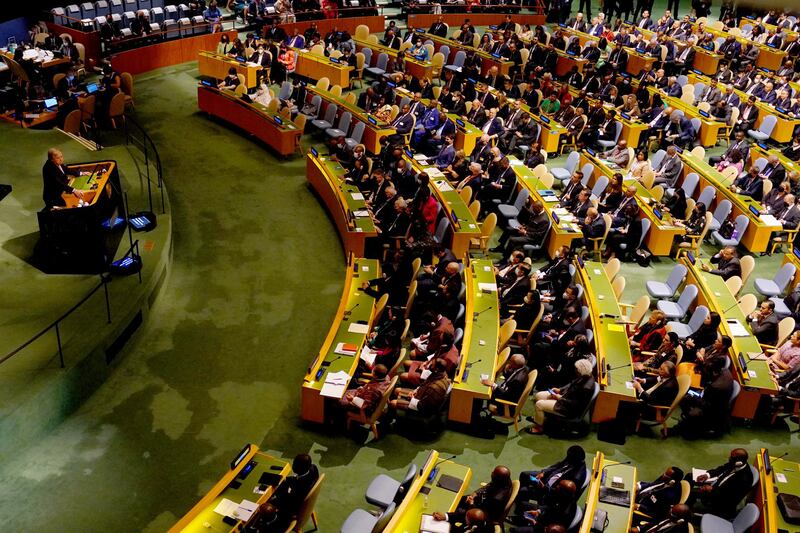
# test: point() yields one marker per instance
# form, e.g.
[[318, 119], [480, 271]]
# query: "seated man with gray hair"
[[567, 402]]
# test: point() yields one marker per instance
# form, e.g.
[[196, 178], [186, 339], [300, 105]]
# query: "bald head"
[[501, 475]]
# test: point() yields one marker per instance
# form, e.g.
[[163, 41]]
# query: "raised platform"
[[36, 393]]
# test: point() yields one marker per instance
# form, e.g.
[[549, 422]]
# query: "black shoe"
[[497, 249]]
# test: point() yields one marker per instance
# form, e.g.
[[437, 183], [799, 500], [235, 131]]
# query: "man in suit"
[[577, 23], [533, 226], [392, 40], [535, 485], [685, 59], [591, 53], [656, 498], [764, 323], [618, 155], [618, 59], [499, 186], [557, 508], [438, 28], [574, 126], [296, 40], [525, 132], [57, 178], [261, 57], [289, 495], [773, 171], [571, 190], [493, 126], [748, 115], [751, 184], [580, 208], [593, 227], [669, 169], [730, 48], [679, 132], [739, 143], [402, 124], [710, 94], [426, 123], [446, 154], [720, 489], [598, 28], [792, 151], [490, 498], [730, 98], [645, 22], [512, 380], [677, 521], [656, 119], [569, 401]]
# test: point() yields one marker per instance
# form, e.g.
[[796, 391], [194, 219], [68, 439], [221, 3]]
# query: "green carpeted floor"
[[257, 275]]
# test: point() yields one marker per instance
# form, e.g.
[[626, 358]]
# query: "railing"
[[138, 137]]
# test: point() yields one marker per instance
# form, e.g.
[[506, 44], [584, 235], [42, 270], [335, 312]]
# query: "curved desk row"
[[636, 60], [754, 377], [709, 126], [418, 69], [216, 66], [271, 129], [314, 66], [550, 130], [238, 486], [489, 60], [330, 373], [614, 361], [756, 237], [775, 475], [345, 203], [479, 346], [663, 230], [374, 129]]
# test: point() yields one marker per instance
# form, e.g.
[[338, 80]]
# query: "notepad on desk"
[[346, 348], [361, 213], [443, 186], [429, 525], [335, 384], [368, 355], [434, 172], [360, 328], [736, 328], [357, 195], [487, 287], [769, 220]]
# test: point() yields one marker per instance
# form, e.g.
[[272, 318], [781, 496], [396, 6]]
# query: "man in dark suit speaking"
[[57, 179]]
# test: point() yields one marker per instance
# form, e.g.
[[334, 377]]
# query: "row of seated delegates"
[[275, 515]]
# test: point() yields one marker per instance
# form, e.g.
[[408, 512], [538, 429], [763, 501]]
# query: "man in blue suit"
[[447, 153], [493, 125], [679, 131], [429, 121], [751, 185], [436, 140]]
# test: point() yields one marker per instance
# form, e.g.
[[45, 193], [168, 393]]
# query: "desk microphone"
[[465, 374], [609, 368], [602, 473], [779, 458], [350, 311], [448, 458], [476, 315], [731, 307]]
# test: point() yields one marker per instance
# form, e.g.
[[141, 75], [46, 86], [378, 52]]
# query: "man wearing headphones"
[[719, 490]]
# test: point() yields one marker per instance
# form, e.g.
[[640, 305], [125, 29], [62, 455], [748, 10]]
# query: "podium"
[[83, 238]]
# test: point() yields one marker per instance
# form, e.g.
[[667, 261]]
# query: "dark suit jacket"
[[575, 397], [731, 486], [766, 330], [655, 499], [293, 490], [55, 183], [726, 269], [595, 229], [512, 385]]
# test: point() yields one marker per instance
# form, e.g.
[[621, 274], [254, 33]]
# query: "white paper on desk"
[[251, 64], [361, 329], [357, 195], [429, 525], [245, 510], [420, 157], [697, 472], [560, 211], [780, 478], [737, 329], [487, 287], [335, 384], [361, 213], [550, 199], [516, 163], [226, 507], [434, 172], [443, 186], [769, 220], [368, 356]]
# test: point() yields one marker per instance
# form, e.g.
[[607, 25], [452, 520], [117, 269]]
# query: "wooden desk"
[[785, 125], [202, 517], [374, 130], [636, 61], [709, 127], [610, 339], [464, 225], [603, 473], [489, 60], [314, 66], [253, 118], [418, 69], [715, 295], [216, 66], [354, 307], [794, 258], [479, 347], [561, 233], [632, 127], [30, 120], [343, 201], [566, 61], [769, 485], [409, 512], [662, 230], [756, 237], [706, 61], [761, 150]]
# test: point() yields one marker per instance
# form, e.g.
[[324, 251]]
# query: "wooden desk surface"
[[718, 297], [409, 513], [92, 184], [217, 65], [784, 477], [314, 66], [611, 337], [603, 474], [350, 198], [203, 512]]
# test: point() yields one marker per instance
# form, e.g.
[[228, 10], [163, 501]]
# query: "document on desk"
[[335, 384], [487, 287], [429, 525], [345, 348], [361, 329], [368, 355], [737, 329], [434, 172], [361, 213], [769, 220], [357, 195], [443, 186], [239, 511]]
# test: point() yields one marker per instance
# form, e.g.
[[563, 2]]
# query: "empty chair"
[[127, 18], [721, 213], [101, 8], [361, 521], [747, 303], [746, 518], [342, 127], [356, 135], [157, 15], [689, 184], [383, 490], [765, 129], [569, 167], [778, 284], [679, 308], [73, 13], [707, 196], [695, 321], [146, 4], [658, 289], [441, 230], [185, 25], [116, 7], [327, 121], [511, 211], [199, 25], [88, 10], [316, 103], [171, 13], [740, 226], [588, 170], [599, 186], [458, 61], [657, 157], [380, 65], [367, 56], [59, 16]]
